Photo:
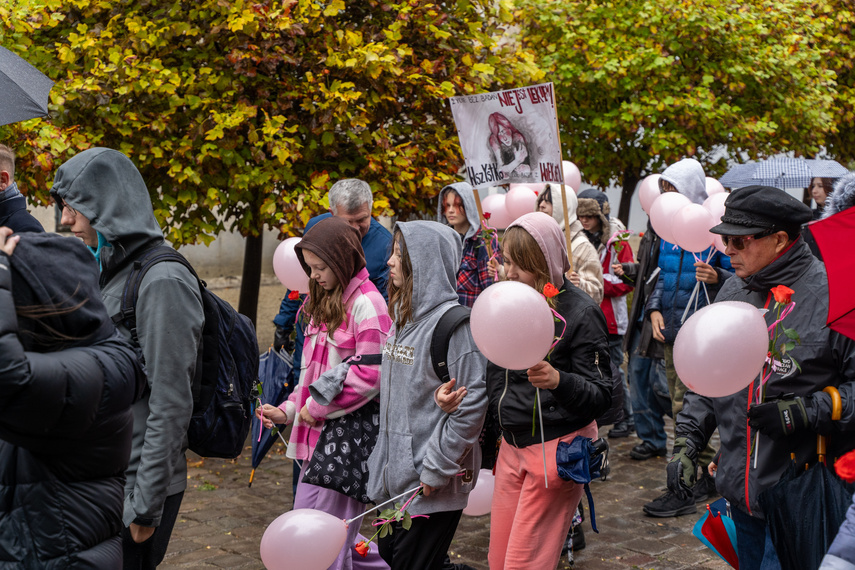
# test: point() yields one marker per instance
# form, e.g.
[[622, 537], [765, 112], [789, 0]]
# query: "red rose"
[[783, 294], [294, 295], [362, 548], [640, 234], [549, 290], [845, 467], [487, 215]]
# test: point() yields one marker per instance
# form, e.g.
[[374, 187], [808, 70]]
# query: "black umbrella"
[[273, 370], [25, 89]]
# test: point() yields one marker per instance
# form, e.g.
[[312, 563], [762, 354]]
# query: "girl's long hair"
[[401, 298], [325, 307], [42, 337], [519, 246]]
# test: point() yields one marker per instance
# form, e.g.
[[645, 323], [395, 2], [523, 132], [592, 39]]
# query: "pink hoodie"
[[551, 240]]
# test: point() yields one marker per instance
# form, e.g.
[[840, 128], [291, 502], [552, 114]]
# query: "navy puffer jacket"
[[65, 411]]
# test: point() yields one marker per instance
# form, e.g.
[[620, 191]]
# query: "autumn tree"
[[643, 83], [241, 114]]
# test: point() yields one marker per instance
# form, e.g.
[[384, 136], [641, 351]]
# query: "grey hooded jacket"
[[418, 442], [826, 357], [104, 186]]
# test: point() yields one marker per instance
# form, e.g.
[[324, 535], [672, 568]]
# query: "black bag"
[[340, 459], [615, 412], [224, 383]]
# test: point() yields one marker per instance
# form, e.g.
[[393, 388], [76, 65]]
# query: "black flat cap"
[[754, 209]]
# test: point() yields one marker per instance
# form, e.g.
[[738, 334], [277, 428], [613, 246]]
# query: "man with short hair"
[[106, 204], [13, 205], [761, 232]]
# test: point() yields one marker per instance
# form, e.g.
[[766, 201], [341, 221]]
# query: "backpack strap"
[[441, 338], [131, 292]]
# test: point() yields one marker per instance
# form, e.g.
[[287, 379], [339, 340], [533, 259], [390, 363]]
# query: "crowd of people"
[[103, 458]]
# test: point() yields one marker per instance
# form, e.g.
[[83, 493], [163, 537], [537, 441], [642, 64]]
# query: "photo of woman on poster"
[[509, 147]]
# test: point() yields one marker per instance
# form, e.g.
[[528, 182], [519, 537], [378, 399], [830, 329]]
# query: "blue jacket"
[[13, 211], [676, 283]]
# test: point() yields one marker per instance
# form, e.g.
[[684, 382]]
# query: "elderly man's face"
[[359, 218], [756, 253]]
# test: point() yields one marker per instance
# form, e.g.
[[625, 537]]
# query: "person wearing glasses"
[[761, 231]]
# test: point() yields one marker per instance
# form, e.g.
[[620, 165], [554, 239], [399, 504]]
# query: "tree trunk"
[[251, 279], [630, 181]]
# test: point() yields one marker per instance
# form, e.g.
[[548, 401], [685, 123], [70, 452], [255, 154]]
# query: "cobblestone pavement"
[[222, 519]]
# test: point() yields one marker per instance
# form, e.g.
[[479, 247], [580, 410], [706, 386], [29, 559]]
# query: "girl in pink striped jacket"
[[347, 318]]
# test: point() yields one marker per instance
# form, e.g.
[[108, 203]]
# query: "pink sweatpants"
[[529, 522]]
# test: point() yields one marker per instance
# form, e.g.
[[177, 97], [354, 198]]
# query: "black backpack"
[[439, 341], [223, 385]]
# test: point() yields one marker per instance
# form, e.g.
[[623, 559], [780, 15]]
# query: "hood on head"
[[467, 195], [557, 202], [104, 186], [551, 240], [688, 177], [338, 244], [842, 197], [435, 252], [56, 272]]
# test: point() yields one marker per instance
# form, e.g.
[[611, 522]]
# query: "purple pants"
[[343, 507]]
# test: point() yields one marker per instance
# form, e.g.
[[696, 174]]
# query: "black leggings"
[[147, 555], [424, 546]]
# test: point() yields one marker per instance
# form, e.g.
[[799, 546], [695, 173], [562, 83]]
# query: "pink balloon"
[[481, 497], [303, 538], [520, 200], [721, 348], [719, 245], [691, 228], [494, 204], [714, 186], [648, 191], [662, 213], [512, 304], [715, 205], [572, 176], [287, 266]]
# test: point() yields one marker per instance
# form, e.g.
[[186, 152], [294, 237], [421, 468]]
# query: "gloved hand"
[[282, 339], [779, 418], [682, 470]]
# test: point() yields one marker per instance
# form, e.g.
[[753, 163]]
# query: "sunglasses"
[[738, 242]]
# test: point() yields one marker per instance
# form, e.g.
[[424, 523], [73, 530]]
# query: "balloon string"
[[542, 437], [392, 500]]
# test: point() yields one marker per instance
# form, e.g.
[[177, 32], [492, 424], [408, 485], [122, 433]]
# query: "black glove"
[[779, 418], [281, 340], [682, 470]]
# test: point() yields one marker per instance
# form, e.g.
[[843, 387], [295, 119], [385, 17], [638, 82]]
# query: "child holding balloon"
[[419, 445], [575, 388], [346, 317]]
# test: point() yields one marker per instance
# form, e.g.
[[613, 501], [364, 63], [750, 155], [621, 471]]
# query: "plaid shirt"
[[474, 273]]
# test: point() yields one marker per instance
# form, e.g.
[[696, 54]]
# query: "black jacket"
[[65, 421], [826, 357], [14, 214], [638, 274], [584, 389]]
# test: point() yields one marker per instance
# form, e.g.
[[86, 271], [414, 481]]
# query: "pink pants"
[[529, 522]]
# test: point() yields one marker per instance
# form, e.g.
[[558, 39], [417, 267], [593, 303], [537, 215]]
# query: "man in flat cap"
[[760, 229]]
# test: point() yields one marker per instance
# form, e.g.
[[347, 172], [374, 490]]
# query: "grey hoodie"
[[418, 441], [467, 195], [104, 186], [688, 177]]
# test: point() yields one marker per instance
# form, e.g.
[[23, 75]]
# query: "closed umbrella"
[[24, 89], [273, 369]]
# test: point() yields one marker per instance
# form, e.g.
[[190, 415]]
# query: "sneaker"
[[670, 505], [704, 489], [646, 450], [621, 429]]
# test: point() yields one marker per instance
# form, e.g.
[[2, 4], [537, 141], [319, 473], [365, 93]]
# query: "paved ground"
[[222, 519]]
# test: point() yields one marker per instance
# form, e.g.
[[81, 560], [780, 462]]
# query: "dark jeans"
[[147, 555], [648, 387], [424, 546], [754, 544], [616, 356]]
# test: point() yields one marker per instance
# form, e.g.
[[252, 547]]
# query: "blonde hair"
[[325, 307], [401, 298], [519, 246]]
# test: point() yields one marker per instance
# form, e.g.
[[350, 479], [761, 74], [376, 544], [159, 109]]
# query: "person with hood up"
[[458, 209], [666, 308], [761, 233], [419, 444], [346, 317], [105, 202], [587, 274], [67, 383]]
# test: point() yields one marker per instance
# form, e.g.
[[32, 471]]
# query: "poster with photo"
[[510, 136]]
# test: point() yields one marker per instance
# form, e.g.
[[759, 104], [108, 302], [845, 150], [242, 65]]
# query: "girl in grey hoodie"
[[419, 444]]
